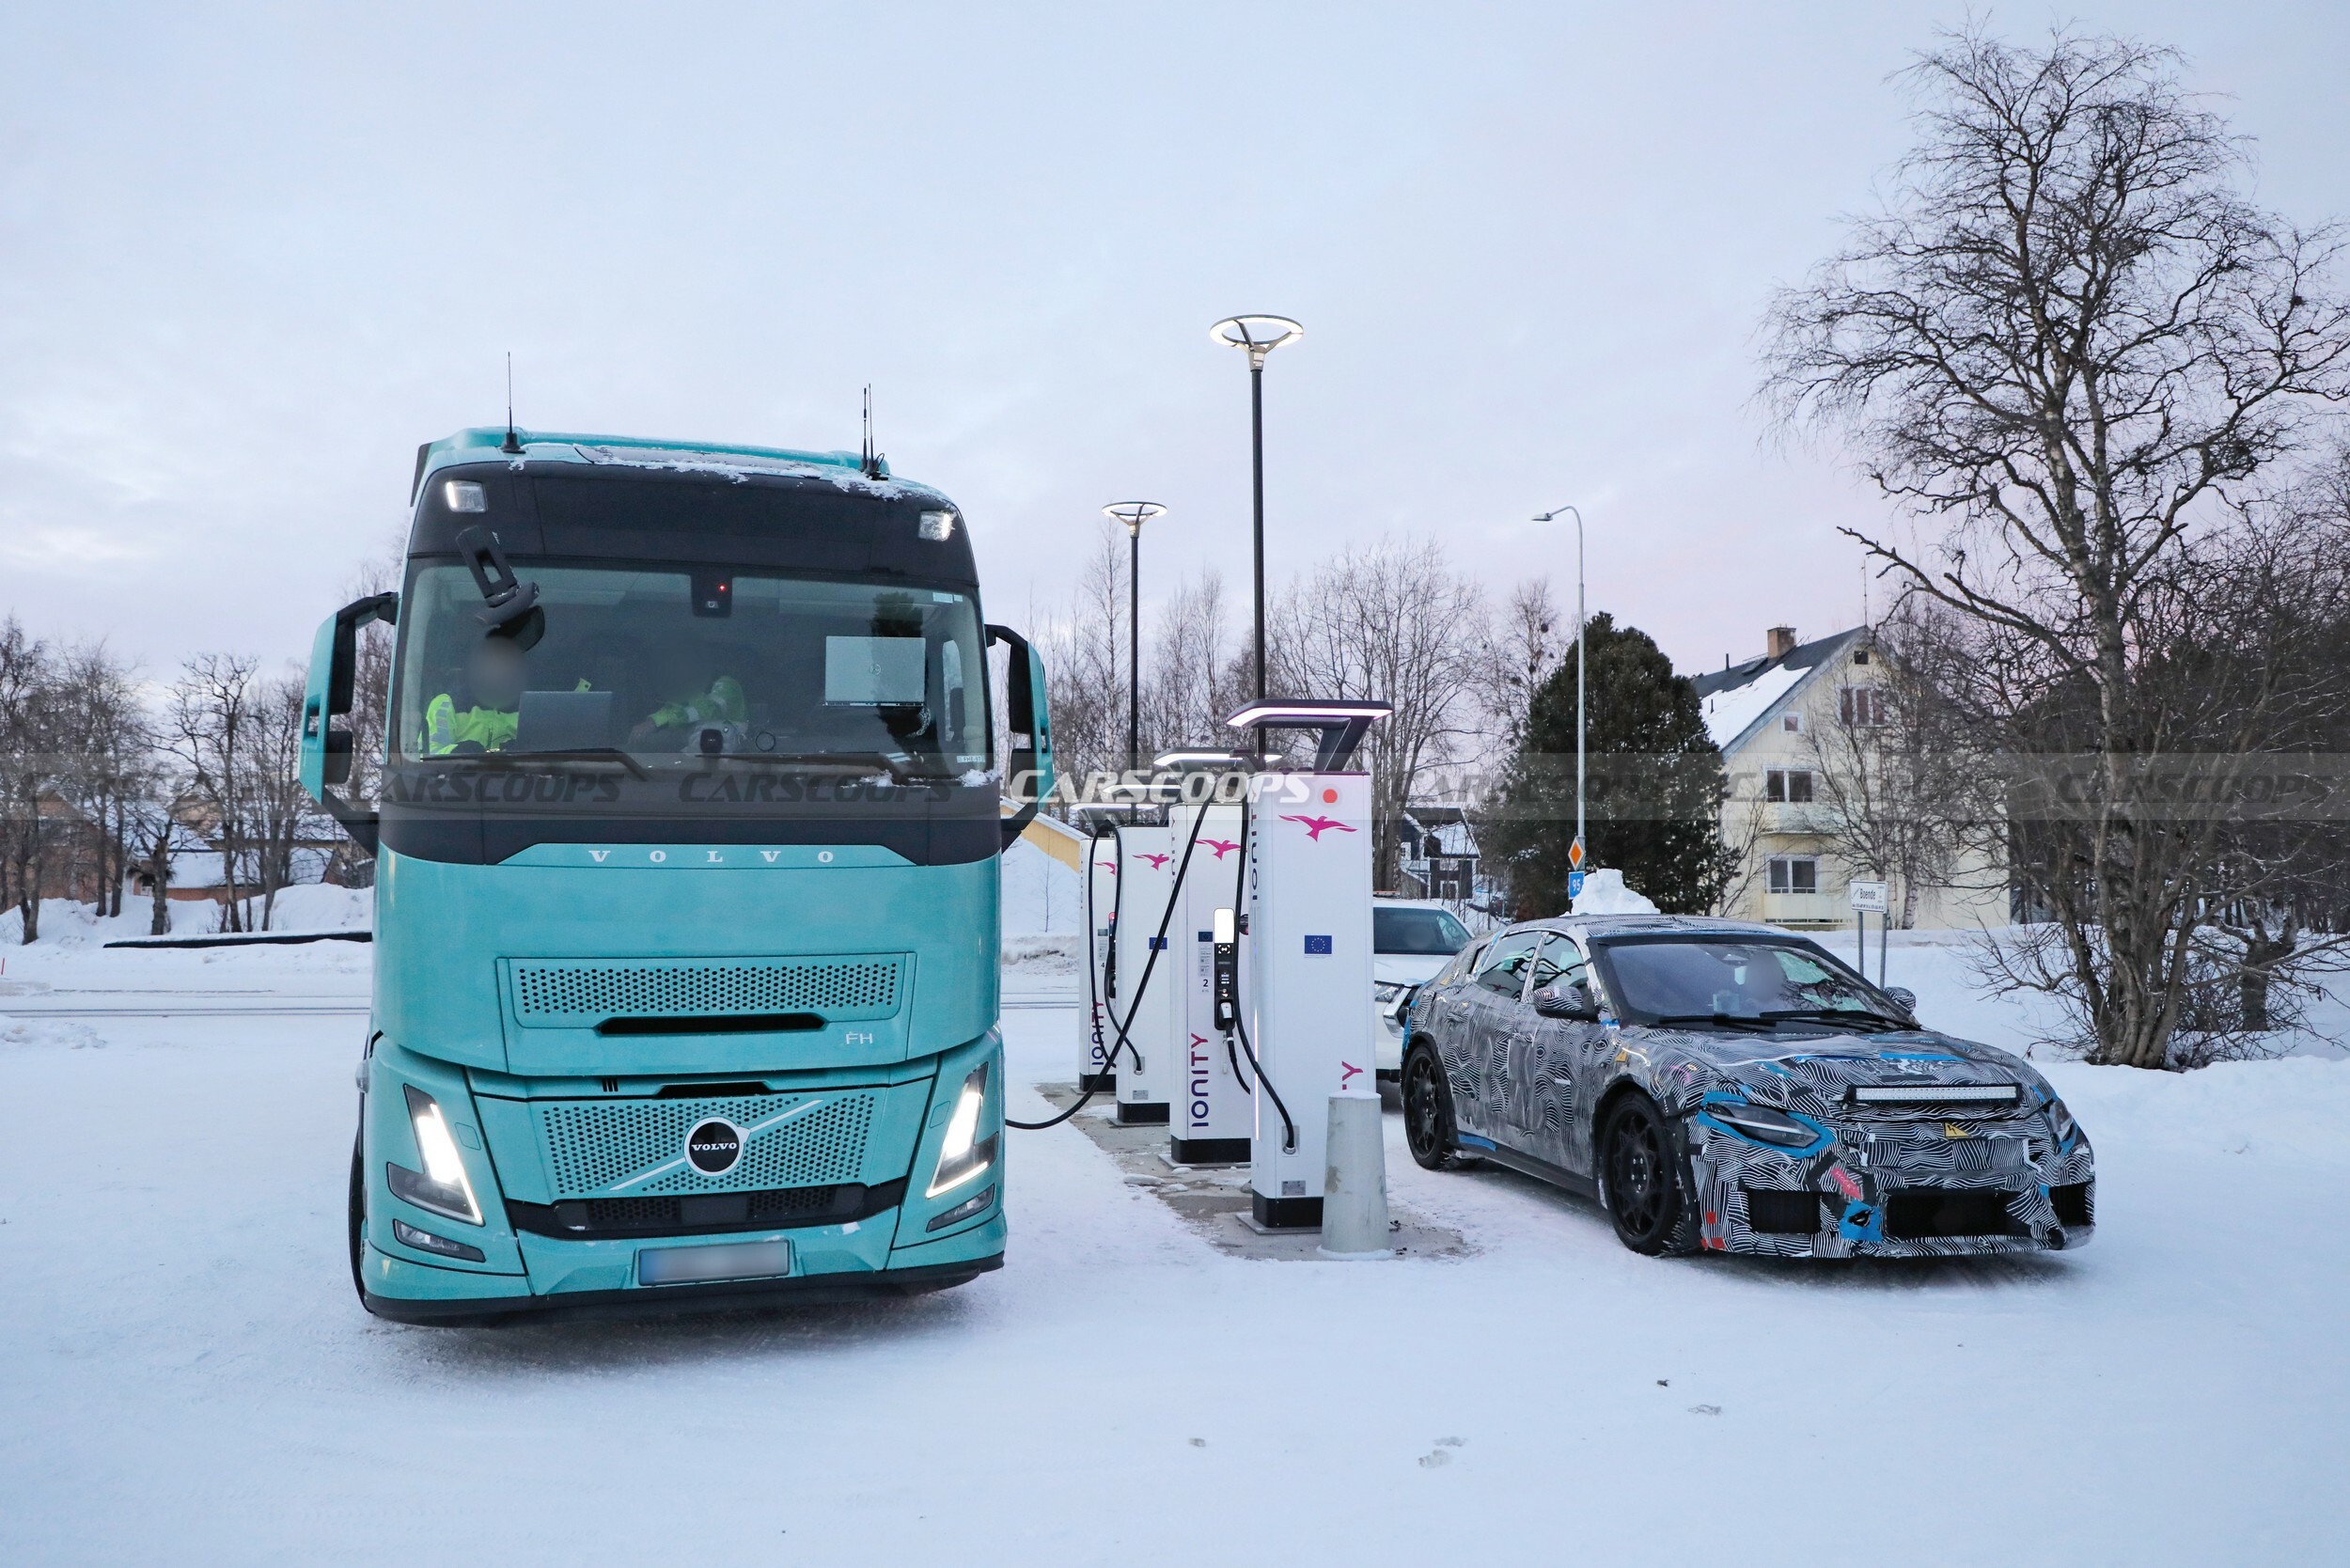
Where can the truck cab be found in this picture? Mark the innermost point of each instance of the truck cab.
(686, 887)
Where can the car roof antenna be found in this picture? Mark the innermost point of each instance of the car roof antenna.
(512, 443)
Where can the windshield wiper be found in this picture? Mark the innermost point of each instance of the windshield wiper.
(512, 761)
(1840, 1015)
(1727, 1020)
(895, 767)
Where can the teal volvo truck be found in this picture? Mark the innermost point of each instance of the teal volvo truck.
(686, 883)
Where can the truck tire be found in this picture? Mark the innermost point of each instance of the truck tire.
(359, 1211)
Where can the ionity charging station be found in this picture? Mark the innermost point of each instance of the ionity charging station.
(1097, 1036)
(1210, 1121)
(1308, 936)
(1144, 991)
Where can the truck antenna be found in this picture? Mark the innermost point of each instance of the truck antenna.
(512, 441)
(865, 454)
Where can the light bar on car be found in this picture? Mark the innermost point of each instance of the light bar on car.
(1935, 1094)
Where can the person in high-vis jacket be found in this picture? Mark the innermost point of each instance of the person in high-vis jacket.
(695, 703)
(494, 677)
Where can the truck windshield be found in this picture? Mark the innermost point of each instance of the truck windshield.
(1428, 932)
(671, 668)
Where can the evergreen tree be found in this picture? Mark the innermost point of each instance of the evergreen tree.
(1654, 792)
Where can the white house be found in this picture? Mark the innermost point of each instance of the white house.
(1771, 716)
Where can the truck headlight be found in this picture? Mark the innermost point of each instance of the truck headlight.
(964, 1154)
(2060, 1121)
(441, 1185)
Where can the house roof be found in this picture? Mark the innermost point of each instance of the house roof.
(1737, 701)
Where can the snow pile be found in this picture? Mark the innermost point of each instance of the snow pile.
(322, 906)
(1603, 893)
(1040, 894)
(70, 923)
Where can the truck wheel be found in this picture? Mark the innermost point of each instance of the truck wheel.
(1644, 1182)
(359, 1211)
(1428, 1126)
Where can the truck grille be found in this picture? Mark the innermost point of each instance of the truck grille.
(593, 1218)
(582, 992)
(637, 1148)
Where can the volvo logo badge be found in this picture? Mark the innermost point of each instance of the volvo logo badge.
(713, 1147)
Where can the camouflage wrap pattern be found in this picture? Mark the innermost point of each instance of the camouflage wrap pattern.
(1891, 1177)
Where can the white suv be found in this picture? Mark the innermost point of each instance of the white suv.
(1411, 939)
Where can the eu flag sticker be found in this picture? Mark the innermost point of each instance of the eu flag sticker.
(1317, 947)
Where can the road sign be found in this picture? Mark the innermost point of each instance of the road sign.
(1574, 854)
(1868, 896)
(1575, 885)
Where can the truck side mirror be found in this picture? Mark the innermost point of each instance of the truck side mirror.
(1028, 768)
(1902, 997)
(327, 695)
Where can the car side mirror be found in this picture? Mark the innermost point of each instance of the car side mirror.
(1566, 1000)
(1902, 997)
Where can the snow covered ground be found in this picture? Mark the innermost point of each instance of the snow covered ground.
(187, 1378)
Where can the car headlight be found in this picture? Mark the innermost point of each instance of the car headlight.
(441, 1185)
(1763, 1124)
(1386, 991)
(2060, 1121)
(963, 1155)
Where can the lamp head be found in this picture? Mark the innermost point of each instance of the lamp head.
(1134, 514)
(1258, 334)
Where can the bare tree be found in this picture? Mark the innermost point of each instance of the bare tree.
(1392, 623)
(210, 733)
(101, 740)
(28, 757)
(2065, 343)
(1085, 663)
(1528, 639)
(1190, 689)
(279, 813)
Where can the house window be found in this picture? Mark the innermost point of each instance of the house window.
(1863, 707)
(1795, 874)
(1791, 786)
(1791, 723)
(1860, 656)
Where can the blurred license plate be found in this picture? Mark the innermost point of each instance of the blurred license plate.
(690, 1265)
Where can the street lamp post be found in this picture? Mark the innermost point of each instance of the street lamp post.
(1575, 858)
(1259, 335)
(1134, 514)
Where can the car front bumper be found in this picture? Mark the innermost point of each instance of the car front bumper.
(2000, 1191)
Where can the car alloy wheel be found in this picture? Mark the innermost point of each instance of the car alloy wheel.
(1428, 1126)
(1646, 1189)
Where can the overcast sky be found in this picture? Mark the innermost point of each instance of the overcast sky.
(250, 258)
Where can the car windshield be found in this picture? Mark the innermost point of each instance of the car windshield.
(1734, 979)
(656, 665)
(1418, 933)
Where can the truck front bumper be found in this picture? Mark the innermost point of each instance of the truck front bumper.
(599, 1279)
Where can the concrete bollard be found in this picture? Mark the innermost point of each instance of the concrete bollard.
(1355, 1182)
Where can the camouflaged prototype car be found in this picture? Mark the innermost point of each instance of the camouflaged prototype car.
(1735, 1088)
